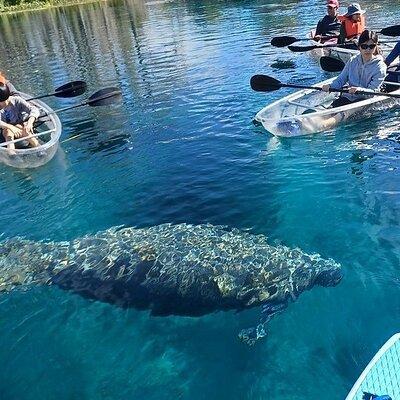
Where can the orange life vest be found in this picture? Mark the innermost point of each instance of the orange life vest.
(352, 28)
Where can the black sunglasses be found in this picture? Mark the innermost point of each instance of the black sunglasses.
(367, 46)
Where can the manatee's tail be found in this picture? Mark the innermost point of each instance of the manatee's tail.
(25, 262)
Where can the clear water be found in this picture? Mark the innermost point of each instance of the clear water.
(182, 148)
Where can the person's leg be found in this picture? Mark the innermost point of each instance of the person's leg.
(340, 101)
(30, 138)
(8, 136)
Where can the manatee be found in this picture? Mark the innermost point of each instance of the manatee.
(183, 269)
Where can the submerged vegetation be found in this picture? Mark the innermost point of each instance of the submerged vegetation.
(11, 6)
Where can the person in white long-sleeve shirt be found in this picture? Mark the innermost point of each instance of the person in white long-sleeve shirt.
(17, 117)
(366, 70)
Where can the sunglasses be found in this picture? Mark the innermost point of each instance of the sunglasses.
(367, 46)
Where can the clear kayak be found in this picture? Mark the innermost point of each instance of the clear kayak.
(307, 111)
(381, 378)
(339, 52)
(48, 134)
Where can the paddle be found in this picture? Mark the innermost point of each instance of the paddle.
(71, 89)
(332, 64)
(283, 41)
(300, 49)
(102, 97)
(264, 83)
(390, 31)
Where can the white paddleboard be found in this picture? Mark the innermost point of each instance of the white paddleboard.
(382, 374)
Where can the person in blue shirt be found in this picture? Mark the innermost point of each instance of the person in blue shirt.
(366, 70)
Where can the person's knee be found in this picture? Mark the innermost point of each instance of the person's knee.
(8, 135)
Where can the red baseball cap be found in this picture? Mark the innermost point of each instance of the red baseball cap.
(333, 3)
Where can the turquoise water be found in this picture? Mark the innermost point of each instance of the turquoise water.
(182, 148)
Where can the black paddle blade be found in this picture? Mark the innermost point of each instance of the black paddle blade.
(331, 64)
(104, 97)
(300, 49)
(71, 89)
(264, 83)
(391, 31)
(283, 41)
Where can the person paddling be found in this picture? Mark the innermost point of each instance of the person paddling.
(353, 23)
(366, 70)
(13, 113)
(329, 25)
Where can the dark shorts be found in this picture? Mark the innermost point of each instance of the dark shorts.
(342, 101)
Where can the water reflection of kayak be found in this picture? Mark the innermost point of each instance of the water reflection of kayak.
(48, 134)
(381, 378)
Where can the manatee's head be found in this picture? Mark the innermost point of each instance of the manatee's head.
(330, 275)
(281, 274)
(312, 270)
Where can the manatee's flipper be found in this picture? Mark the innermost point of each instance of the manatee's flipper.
(251, 335)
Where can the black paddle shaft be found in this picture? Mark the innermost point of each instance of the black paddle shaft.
(264, 83)
(102, 97)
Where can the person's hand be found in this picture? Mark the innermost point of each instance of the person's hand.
(317, 38)
(29, 128)
(16, 132)
(325, 88)
(353, 89)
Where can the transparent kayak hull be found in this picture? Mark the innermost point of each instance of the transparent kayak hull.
(37, 156)
(305, 112)
(340, 53)
(382, 374)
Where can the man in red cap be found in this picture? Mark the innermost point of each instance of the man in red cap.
(329, 25)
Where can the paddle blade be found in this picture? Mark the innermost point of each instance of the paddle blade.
(104, 97)
(71, 89)
(300, 49)
(391, 31)
(283, 41)
(264, 83)
(331, 64)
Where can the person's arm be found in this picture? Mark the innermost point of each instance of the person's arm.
(319, 30)
(32, 111)
(378, 77)
(342, 35)
(393, 54)
(26, 108)
(343, 77)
